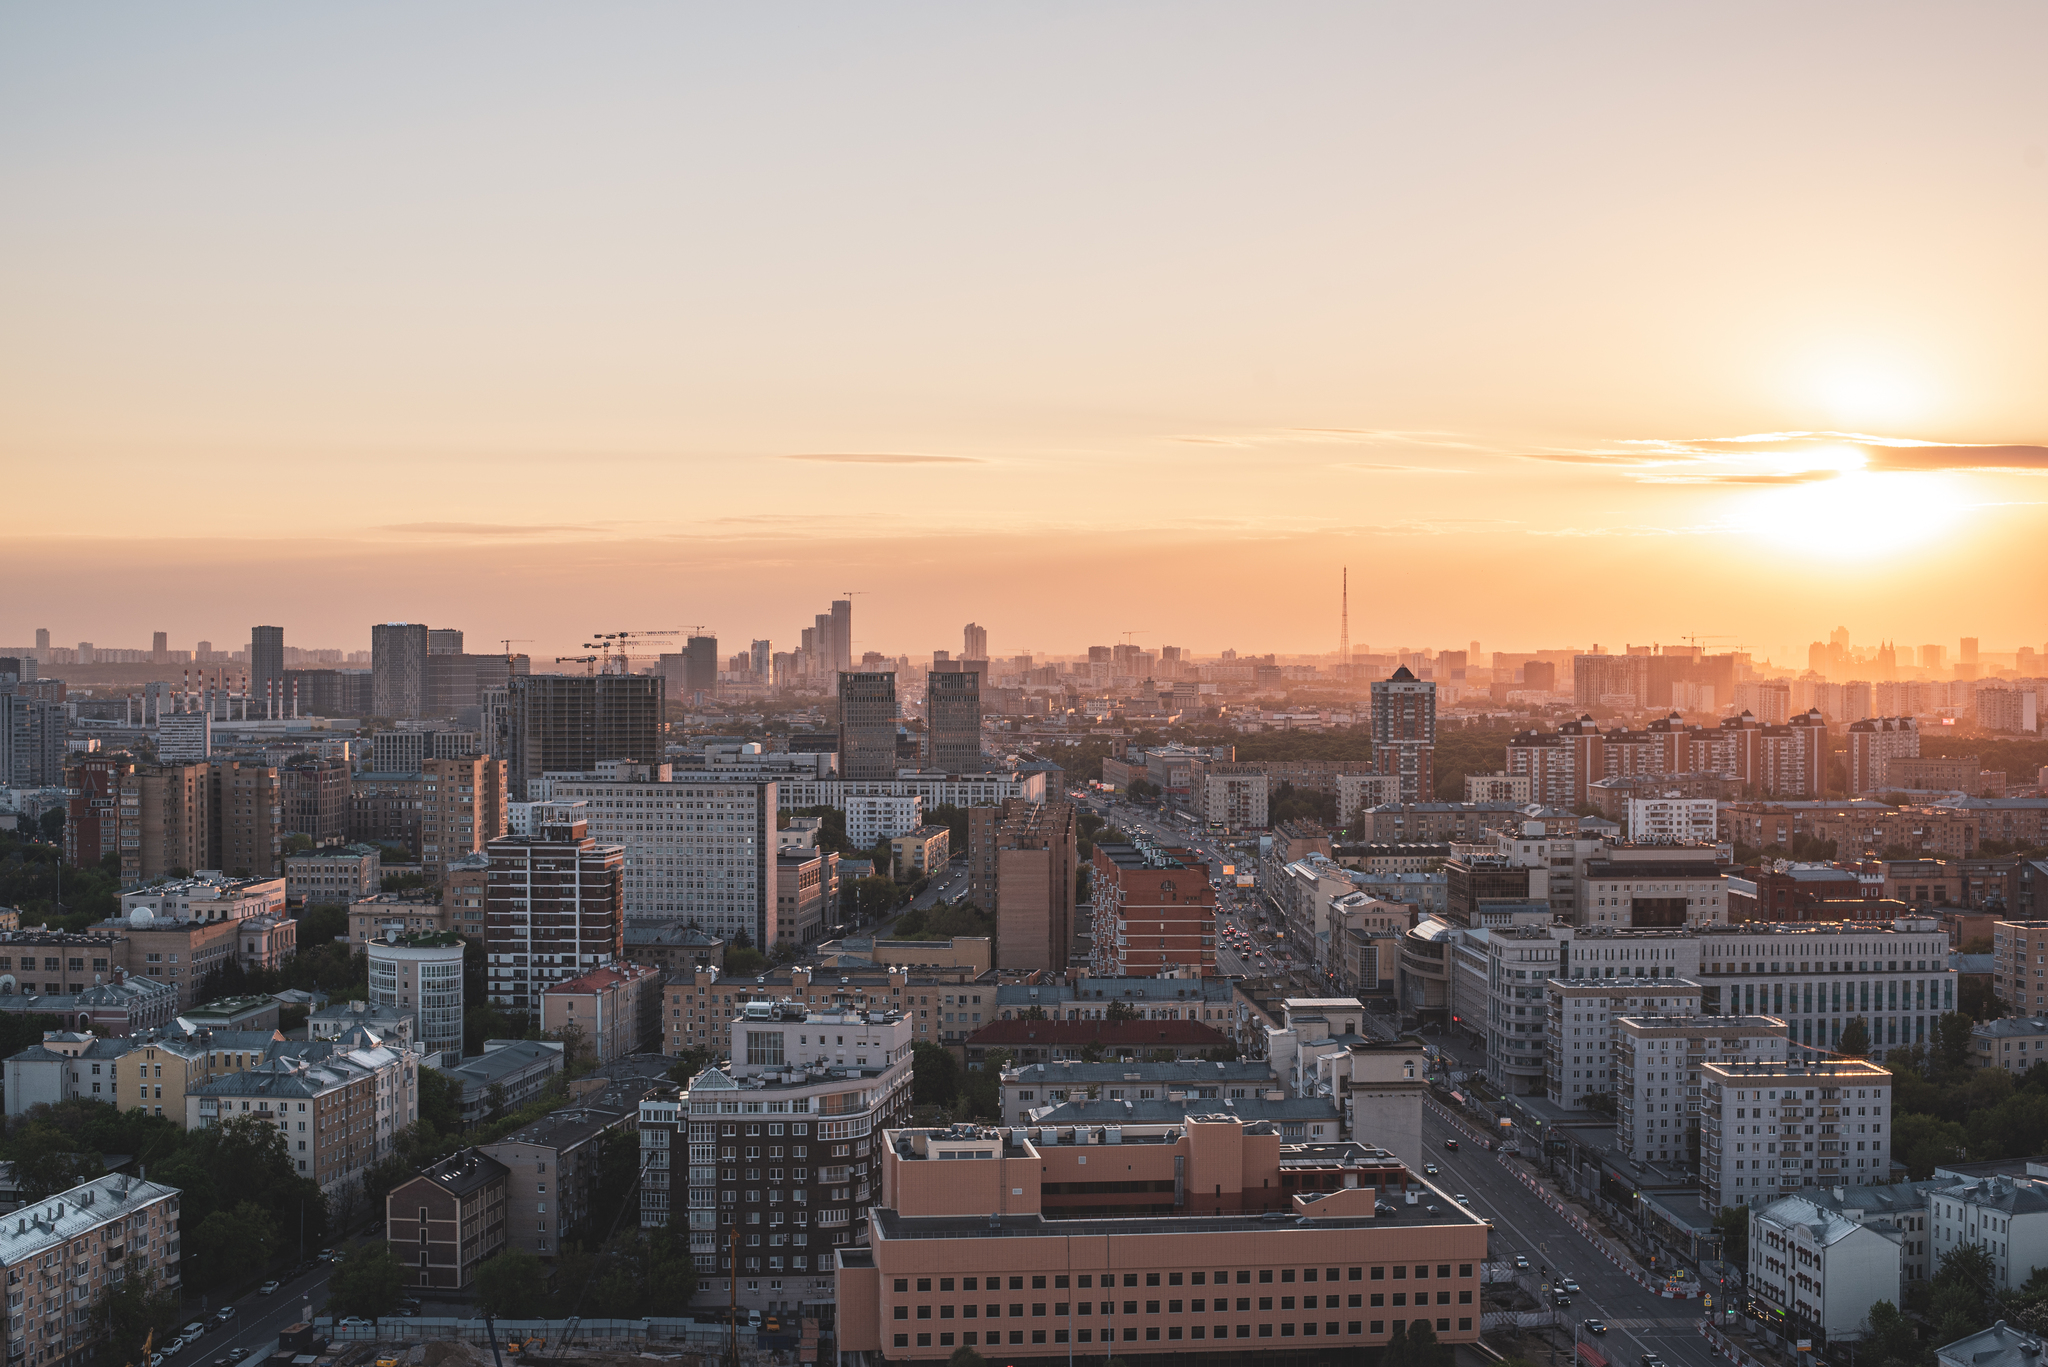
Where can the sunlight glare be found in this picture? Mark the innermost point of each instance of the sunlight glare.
(1854, 517)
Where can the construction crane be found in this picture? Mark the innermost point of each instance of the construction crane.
(1135, 631)
(589, 662)
(614, 644)
(509, 641)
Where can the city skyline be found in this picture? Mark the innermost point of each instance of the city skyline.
(1175, 311)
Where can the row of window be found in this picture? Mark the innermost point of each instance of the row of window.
(1198, 1306)
(1086, 1280)
(1173, 1332)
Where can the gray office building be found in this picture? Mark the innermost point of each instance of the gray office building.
(700, 665)
(266, 671)
(398, 670)
(953, 718)
(867, 726)
(572, 723)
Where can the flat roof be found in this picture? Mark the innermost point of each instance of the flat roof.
(894, 1226)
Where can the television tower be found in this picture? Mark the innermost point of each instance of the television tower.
(1344, 624)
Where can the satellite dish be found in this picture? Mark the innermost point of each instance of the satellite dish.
(141, 916)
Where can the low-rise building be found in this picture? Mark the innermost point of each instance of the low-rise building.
(505, 1076)
(335, 876)
(672, 947)
(444, 1222)
(1819, 1270)
(353, 1095)
(2015, 1043)
(1768, 1128)
(209, 897)
(1030, 1041)
(962, 957)
(615, 1010)
(2002, 1345)
(2005, 1215)
(905, 1295)
(921, 853)
(387, 1022)
(122, 1005)
(413, 912)
(1213, 1001)
(1033, 1087)
(807, 891)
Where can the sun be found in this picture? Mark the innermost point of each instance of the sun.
(1854, 516)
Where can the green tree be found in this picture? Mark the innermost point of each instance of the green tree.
(129, 1314)
(874, 896)
(743, 962)
(1120, 1010)
(511, 1284)
(983, 1093)
(440, 1101)
(232, 1246)
(934, 1076)
(1733, 1226)
(1921, 1142)
(1888, 1337)
(1855, 1040)
(692, 1061)
(1954, 1032)
(964, 1356)
(369, 1283)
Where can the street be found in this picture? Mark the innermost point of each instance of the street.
(1637, 1321)
(258, 1319)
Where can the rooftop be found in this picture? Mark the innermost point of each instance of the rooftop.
(1162, 1111)
(2011, 1027)
(1075, 1072)
(461, 1173)
(33, 1230)
(894, 1226)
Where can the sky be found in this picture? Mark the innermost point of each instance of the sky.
(1555, 324)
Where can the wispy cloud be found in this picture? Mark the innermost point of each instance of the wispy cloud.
(1403, 469)
(884, 458)
(487, 528)
(1767, 458)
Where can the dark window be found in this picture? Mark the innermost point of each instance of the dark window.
(1060, 1282)
(1464, 1269)
(1356, 1273)
(1038, 1336)
(902, 1312)
(1130, 1307)
(924, 1312)
(1444, 1326)
(1244, 1303)
(1353, 1300)
(1016, 1283)
(1379, 1326)
(1151, 1279)
(1443, 1269)
(903, 1340)
(1151, 1307)
(945, 1283)
(1087, 1281)
(1038, 1309)
(1173, 1307)
(1464, 1298)
(1265, 1274)
(1130, 1279)
(1378, 1299)
(1017, 1312)
(924, 1283)
(1265, 1331)
(1464, 1324)
(1287, 1274)
(1151, 1332)
(902, 1283)
(1196, 1279)
(1265, 1302)
(1287, 1302)
(1038, 1283)
(924, 1340)
(1243, 1277)
(1173, 1278)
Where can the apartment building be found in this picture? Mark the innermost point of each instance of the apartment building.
(1212, 1000)
(692, 846)
(1658, 1060)
(2004, 1214)
(65, 1255)
(1404, 732)
(953, 717)
(1819, 1269)
(1232, 797)
(156, 1072)
(1860, 827)
(1872, 745)
(920, 853)
(1768, 1128)
(415, 911)
(1583, 1028)
(1154, 913)
(180, 953)
(806, 894)
(331, 876)
(1818, 976)
(446, 1221)
(316, 790)
(246, 818)
(157, 818)
(2019, 964)
(462, 808)
(616, 1008)
(465, 894)
(934, 789)
(783, 1143)
(553, 1166)
(1022, 858)
(1674, 819)
(874, 817)
(339, 1103)
(664, 1140)
(1337, 1273)
(941, 1009)
(555, 911)
(2015, 1044)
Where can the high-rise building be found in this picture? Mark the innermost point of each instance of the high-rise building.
(1154, 914)
(398, 670)
(1021, 860)
(867, 726)
(160, 648)
(444, 641)
(184, 738)
(760, 660)
(953, 718)
(1804, 1089)
(34, 733)
(974, 642)
(42, 642)
(266, 670)
(246, 819)
(572, 723)
(463, 809)
(420, 976)
(700, 665)
(556, 910)
(1873, 744)
(1404, 733)
(842, 633)
(174, 814)
(316, 798)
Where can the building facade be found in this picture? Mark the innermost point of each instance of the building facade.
(1404, 733)
(556, 910)
(867, 726)
(1768, 1128)
(420, 976)
(1154, 913)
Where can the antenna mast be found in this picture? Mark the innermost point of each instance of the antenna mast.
(1344, 624)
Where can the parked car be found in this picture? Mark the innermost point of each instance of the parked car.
(237, 1354)
(355, 1322)
(268, 1288)
(1594, 1326)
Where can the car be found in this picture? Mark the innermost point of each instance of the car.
(356, 1322)
(410, 1303)
(1649, 1360)
(1570, 1285)
(237, 1354)
(1451, 1144)
(405, 1312)
(224, 1314)
(1429, 1170)
(267, 1289)
(222, 1361)
(1561, 1301)
(1521, 1263)
(1594, 1326)
(1462, 1199)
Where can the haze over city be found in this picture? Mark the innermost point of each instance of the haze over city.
(1557, 327)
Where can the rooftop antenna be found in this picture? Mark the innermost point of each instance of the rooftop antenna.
(1344, 622)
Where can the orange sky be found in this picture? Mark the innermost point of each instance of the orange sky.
(1072, 322)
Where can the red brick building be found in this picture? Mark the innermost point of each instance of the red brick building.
(1155, 913)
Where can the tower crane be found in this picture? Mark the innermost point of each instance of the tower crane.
(613, 645)
(587, 661)
(509, 641)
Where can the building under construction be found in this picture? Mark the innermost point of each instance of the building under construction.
(573, 723)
